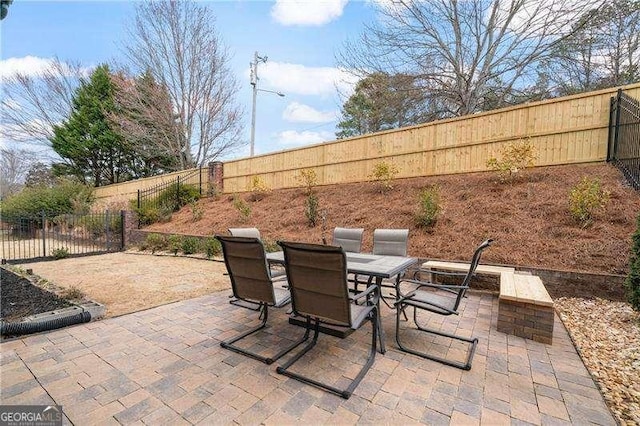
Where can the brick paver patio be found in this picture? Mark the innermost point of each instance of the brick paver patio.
(165, 366)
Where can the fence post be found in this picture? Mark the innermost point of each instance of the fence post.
(44, 235)
(200, 180)
(177, 194)
(106, 230)
(122, 228)
(138, 199)
(617, 125)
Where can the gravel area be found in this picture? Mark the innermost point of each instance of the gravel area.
(607, 336)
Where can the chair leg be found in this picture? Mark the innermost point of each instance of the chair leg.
(245, 304)
(471, 351)
(264, 313)
(344, 393)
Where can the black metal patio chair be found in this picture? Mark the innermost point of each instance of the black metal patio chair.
(251, 282)
(441, 299)
(318, 282)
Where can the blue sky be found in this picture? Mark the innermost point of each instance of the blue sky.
(299, 40)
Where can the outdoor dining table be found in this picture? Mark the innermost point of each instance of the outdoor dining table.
(373, 265)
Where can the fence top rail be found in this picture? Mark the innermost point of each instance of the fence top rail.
(163, 185)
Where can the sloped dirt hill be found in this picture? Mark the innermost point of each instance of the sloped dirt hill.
(529, 219)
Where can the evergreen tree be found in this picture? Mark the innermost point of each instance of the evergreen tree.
(90, 149)
(382, 102)
(632, 283)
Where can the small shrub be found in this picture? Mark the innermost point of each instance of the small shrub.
(270, 245)
(212, 247)
(149, 213)
(244, 210)
(632, 283)
(60, 253)
(197, 212)
(428, 206)
(384, 173)
(72, 293)
(514, 158)
(190, 245)
(155, 242)
(311, 209)
(586, 199)
(258, 188)
(174, 244)
(97, 226)
(309, 179)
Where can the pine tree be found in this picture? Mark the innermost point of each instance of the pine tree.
(90, 149)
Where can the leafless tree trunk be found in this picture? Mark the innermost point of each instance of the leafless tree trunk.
(469, 54)
(32, 105)
(177, 42)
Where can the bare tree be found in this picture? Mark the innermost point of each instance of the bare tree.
(470, 55)
(145, 119)
(177, 42)
(14, 165)
(32, 104)
(604, 51)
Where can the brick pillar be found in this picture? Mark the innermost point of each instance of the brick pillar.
(216, 175)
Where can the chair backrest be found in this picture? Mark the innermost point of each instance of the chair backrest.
(350, 239)
(245, 232)
(475, 260)
(390, 242)
(248, 268)
(318, 281)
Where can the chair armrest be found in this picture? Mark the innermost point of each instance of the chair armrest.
(432, 285)
(364, 293)
(403, 298)
(441, 273)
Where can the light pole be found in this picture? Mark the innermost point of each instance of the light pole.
(254, 82)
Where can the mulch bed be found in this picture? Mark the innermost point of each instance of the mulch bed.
(20, 298)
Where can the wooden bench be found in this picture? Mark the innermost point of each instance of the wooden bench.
(525, 308)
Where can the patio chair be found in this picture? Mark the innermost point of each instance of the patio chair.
(318, 282)
(251, 282)
(350, 239)
(441, 299)
(387, 242)
(275, 272)
(245, 232)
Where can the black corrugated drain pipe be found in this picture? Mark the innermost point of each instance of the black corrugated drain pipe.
(22, 328)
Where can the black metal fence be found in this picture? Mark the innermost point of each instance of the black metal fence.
(32, 238)
(169, 195)
(624, 137)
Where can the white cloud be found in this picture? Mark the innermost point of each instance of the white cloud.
(303, 80)
(301, 113)
(33, 66)
(292, 138)
(307, 12)
(28, 65)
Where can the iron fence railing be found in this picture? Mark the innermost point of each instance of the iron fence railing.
(624, 137)
(29, 238)
(168, 195)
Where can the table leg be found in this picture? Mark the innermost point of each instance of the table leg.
(383, 349)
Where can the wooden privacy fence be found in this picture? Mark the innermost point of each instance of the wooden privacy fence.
(564, 130)
(568, 130)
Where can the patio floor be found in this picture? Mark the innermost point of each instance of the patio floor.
(165, 366)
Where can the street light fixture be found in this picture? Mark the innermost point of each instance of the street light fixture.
(254, 82)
